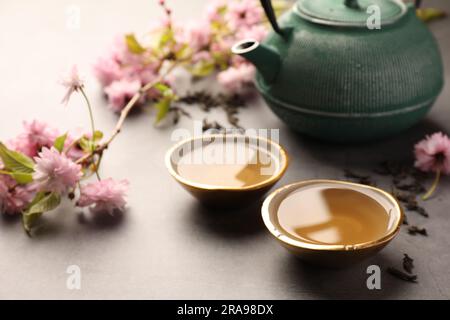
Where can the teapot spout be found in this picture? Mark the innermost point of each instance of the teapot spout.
(266, 60)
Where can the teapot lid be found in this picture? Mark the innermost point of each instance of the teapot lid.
(352, 13)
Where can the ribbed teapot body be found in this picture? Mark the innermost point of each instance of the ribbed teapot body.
(380, 80)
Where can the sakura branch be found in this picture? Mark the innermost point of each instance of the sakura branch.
(41, 166)
(157, 83)
(203, 47)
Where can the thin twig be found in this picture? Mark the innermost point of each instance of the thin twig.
(433, 187)
(73, 144)
(91, 114)
(126, 110)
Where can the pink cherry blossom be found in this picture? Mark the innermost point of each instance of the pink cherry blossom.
(123, 64)
(161, 23)
(40, 133)
(237, 60)
(37, 134)
(107, 70)
(433, 153)
(245, 13)
(22, 144)
(214, 9)
(18, 199)
(72, 82)
(196, 34)
(55, 172)
(75, 152)
(123, 56)
(255, 32)
(146, 75)
(237, 79)
(202, 56)
(119, 92)
(222, 46)
(105, 196)
(14, 198)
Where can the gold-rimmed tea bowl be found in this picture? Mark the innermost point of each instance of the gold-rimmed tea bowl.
(330, 255)
(220, 194)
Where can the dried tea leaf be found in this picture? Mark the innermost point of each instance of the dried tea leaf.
(408, 263)
(229, 104)
(405, 220)
(413, 230)
(212, 126)
(402, 275)
(362, 179)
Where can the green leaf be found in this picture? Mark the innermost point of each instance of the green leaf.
(429, 14)
(15, 161)
(86, 144)
(161, 87)
(98, 135)
(59, 142)
(163, 107)
(22, 177)
(222, 10)
(203, 68)
(133, 44)
(43, 202)
(166, 37)
(183, 52)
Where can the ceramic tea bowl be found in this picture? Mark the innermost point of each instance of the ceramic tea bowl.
(331, 255)
(219, 194)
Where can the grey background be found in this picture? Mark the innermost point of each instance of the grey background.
(166, 245)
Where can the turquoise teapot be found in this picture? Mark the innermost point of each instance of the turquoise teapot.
(347, 70)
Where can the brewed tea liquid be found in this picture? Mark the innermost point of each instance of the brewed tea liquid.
(235, 165)
(326, 215)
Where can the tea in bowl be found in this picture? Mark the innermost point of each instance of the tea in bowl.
(332, 223)
(227, 170)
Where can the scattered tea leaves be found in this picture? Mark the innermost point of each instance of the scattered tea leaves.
(405, 220)
(413, 230)
(408, 263)
(410, 203)
(402, 275)
(178, 112)
(206, 102)
(411, 187)
(203, 99)
(214, 125)
(407, 183)
(363, 179)
(404, 197)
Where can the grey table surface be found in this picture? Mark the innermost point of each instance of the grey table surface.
(167, 245)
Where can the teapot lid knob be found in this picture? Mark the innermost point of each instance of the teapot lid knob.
(352, 13)
(353, 4)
